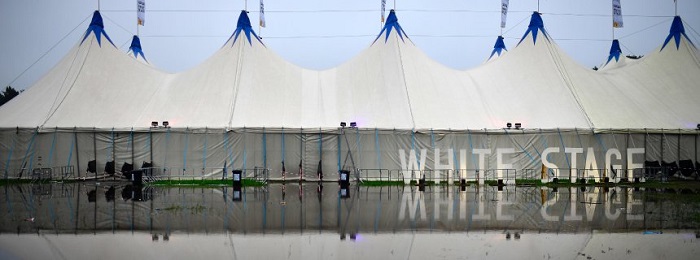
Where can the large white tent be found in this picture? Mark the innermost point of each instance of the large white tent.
(246, 107)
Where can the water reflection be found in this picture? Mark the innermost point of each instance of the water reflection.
(276, 208)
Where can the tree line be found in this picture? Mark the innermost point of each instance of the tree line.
(8, 94)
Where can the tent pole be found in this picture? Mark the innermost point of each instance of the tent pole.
(94, 149)
(696, 147)
(114, 151)
(645, 143)
(661, 143)
(131, 136)
(150, 145)
(627, 148)
(679, 147)
(676, 9)
(77, 151)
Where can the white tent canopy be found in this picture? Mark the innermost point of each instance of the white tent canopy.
(390, 85)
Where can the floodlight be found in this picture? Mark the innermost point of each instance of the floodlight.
(154, 124)
(509, 125)
(342, 124)
(166, 124)
(518, 125)
(353, 124)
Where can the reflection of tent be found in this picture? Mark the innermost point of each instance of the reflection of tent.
(247, 106)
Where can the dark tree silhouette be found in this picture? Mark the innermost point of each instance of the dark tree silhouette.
(8, 94)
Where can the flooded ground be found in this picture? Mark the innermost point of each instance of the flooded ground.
(292, 221)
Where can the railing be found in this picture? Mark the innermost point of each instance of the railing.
(208, 173)
(441, 176)
(40, 173)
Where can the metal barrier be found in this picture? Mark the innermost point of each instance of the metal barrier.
(41, 173)
(509, 175)
(209, 173)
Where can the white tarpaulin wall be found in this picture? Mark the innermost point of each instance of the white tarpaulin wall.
(247, 108)
(395, 154)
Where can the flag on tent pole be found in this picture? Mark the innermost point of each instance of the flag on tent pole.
(141, 11)
(504, 12)
(383, 9)
(617, 14)
(262, 14)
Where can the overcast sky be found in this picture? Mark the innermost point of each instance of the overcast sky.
(321, 34)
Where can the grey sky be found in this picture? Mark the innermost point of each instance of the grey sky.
(320, 34)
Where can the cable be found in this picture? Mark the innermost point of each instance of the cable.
(47, 52)
(373, 10)
(693, 29)
(118, 25)
(647, 28)
(628, 49)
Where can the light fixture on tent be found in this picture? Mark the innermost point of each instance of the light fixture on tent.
(698, 126)
(353, 124)
(154, 124)
(518, 125)
(342, 124)
(509, 125)
(166, 124)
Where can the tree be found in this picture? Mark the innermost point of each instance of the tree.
(8, 94)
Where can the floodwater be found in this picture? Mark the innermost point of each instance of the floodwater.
(117, 220)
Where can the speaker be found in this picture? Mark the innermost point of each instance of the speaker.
(237, 176)
(137, 177)
(344, 178)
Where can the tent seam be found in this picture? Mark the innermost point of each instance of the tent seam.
(405, 85)
(82, 65)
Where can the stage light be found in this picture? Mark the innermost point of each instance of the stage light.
(698, 126)
(342, 124)
(353, 124)
(154, 124)
(518, 125)
(509, 125)
(166, 124)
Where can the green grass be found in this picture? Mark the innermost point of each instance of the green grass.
(245, 182)
(194, 209)
(381, 183)
(528, 182)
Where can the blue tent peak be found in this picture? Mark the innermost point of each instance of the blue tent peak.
(498, 47)
(245, 27)
(536, 25)
(676, 31)
(392, 22)
(615, 52)
(97, 27)
(135, 48)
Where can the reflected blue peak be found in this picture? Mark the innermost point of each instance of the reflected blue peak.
(245, 27)
(615, 52)
(392, 23)
(97, 27)
(676, 31)
(536, 25)
(135, 48)
(498, 47)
